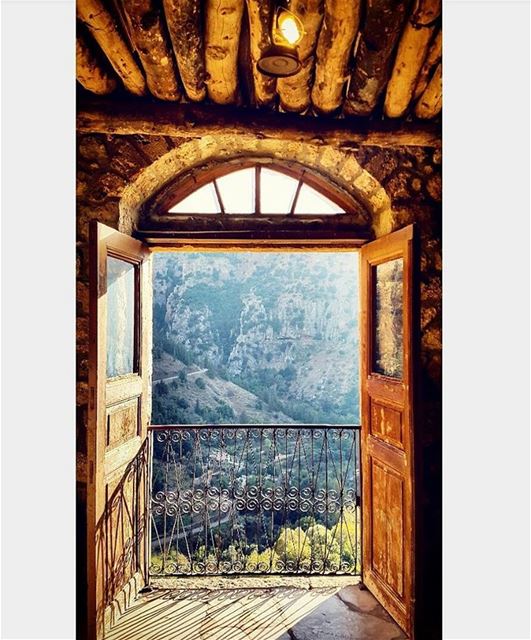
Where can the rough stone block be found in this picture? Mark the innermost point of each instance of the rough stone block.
(365, 185)
(125, 158)
(350, 170)
(435, 187)
(92, 148)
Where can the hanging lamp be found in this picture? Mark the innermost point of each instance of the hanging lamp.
(281, 59)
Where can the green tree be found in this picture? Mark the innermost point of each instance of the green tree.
(347, 532)
(292, 546)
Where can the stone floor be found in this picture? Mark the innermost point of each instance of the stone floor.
(256, 613)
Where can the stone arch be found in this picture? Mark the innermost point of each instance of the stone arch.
(339, 165)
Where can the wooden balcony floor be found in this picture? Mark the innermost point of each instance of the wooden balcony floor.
(259, 613)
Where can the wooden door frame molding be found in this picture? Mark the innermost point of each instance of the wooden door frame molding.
(216, 245)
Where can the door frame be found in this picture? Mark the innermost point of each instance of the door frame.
(231, 242)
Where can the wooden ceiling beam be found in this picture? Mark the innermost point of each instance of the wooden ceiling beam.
(340, 27)
(430, 103)
(383, 23)
(184, 21)
(222, 36)
(89, 72)
(103, 28)
(151, 43)
(259, 13)
(129, 117)
(411, 54)
(294, 91)
(430, 64)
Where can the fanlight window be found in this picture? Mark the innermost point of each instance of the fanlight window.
(256, 190)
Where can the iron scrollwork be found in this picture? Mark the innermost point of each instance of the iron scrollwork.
(236, 500)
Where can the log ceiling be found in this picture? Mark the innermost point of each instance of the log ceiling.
(360, 58)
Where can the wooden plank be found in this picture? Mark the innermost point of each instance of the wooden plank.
(410, 57)
(122, 423)
(151, 43)
(430, 64)
(383, 24)
(104, 29)
(340, 26)
(195, 120)
(430, 103)
(344, 242)
(89, 72)
(120, 456)
(259, 13)
(222, 35)
(294, 91)
(184, 20)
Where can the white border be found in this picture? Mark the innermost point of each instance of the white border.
(486, 232)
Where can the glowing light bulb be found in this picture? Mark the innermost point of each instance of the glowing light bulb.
(289, 27)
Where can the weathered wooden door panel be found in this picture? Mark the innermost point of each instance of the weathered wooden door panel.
(119, 384)
(387, 423)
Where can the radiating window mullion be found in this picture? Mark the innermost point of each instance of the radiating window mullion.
(257, 202)
(295, 197)
(218, 196)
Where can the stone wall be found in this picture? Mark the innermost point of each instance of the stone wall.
(116, 174)
(412, 178)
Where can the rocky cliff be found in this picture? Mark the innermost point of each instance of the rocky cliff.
(283, 326)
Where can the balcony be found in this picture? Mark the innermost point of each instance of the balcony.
(238, 500)
(254, 533)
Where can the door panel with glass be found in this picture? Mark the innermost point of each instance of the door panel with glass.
(119, 409)
(387, 423)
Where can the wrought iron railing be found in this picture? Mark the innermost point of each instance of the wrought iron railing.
(255, 499)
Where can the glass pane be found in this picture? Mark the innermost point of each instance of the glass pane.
(311, 201)
(204, 200)
(277, 191)
(237, 191)
(120, 317)
(388, 318)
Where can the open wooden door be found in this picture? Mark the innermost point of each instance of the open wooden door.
(387, 423)
(119, 411)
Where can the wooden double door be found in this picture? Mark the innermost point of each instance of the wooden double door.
(119, 412)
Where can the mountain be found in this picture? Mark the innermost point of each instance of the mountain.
(275, 336)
